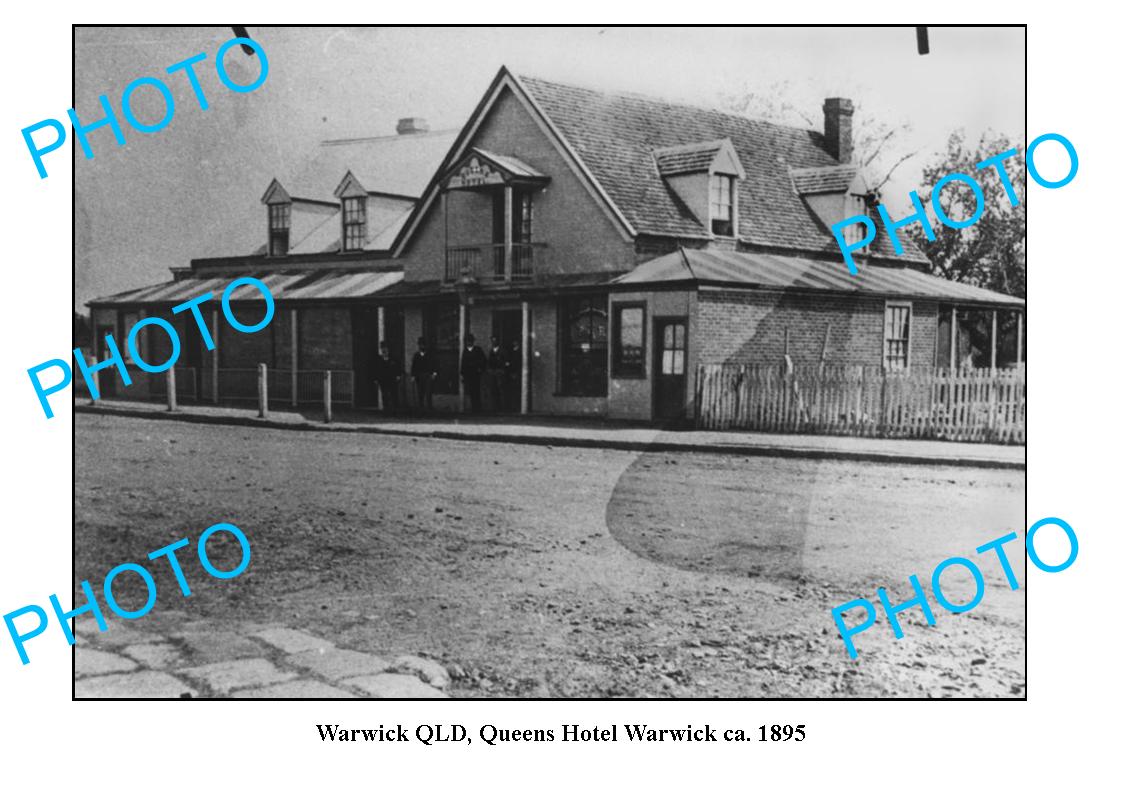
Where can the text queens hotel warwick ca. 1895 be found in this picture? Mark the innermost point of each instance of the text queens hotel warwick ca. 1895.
(611, 243)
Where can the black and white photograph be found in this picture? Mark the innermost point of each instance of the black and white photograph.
(550, 363)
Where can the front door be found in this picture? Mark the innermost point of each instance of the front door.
(670, 369)
(507, 328)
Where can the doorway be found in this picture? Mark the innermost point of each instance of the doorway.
(669, 388)
(507, 328)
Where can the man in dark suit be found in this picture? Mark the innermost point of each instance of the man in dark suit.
(473, 363)
(497, 374)
(423, 369)
(387, 372)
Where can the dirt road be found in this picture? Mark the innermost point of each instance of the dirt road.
(532, 571)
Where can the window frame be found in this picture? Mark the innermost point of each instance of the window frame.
(889, 307)
(564, 310)
(524, 216)
(359, 227)
(279, 211)
(719, 178)
(616, 347)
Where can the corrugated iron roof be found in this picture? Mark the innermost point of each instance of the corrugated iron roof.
(751, 269)
(283, 285)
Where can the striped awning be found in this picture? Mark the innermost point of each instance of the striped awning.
(750, 269)
(283, 285)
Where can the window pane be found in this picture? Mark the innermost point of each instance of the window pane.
(897, 336)
(631, 326)
(584, 352)
(668, 364)
(678, 363)
(630, 355)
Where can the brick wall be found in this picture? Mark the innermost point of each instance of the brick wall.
(925, 322)
(241, 349)
(748, 327)
(325, 339)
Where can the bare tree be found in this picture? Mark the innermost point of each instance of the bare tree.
(879, 147)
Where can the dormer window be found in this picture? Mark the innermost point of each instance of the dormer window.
(354, 223)
(280, 222)
(721, 205)
(703, 175)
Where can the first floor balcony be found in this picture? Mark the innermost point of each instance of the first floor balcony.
(493, 263)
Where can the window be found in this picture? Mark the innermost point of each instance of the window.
(629, 355)
(857, 205)
(721, 204)
(524, 212)
(674, 350)
(280, 220)
(583, 351)
(354, 223)
(441, 329)
(897, 317)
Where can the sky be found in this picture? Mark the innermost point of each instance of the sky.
(189, 189)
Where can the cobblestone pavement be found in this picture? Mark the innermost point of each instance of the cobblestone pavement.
(265, 662)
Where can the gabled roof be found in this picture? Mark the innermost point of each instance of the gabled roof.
(275, 194)
(504, 80)
(611, 142)
(752, 269)
(480, 167)
(615, 135)
(829, 179)
(349, 187)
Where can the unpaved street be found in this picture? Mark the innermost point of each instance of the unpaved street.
(538, 571)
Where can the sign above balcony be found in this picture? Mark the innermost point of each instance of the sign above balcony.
(481, 169)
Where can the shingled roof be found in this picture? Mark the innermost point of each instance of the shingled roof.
(616, 137)
(686, 159)
(832, 179)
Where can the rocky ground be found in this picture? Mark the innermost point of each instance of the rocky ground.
(529, 571)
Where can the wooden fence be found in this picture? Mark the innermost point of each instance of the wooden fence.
(921, 403)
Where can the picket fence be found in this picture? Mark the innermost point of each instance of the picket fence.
(922, 403)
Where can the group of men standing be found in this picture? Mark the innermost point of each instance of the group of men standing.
(498, 369)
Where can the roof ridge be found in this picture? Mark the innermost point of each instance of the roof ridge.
(635, 95)
(388, 137)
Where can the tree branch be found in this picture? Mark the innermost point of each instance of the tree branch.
(895, 165)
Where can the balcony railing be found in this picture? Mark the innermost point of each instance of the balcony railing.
(487, 262)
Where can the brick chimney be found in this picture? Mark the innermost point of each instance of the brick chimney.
(411, 125)
(838, 114)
